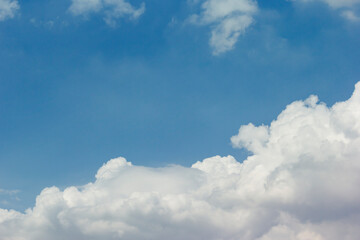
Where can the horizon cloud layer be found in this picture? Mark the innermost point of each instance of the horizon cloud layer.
(300, 183)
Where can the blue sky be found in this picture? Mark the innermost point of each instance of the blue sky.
(76, 91)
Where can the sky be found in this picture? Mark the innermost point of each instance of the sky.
(166, 85)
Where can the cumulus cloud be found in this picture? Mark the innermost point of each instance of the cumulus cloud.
(228, 19)
(112, 9)
(346, 7)
(301, 183)
(8, 8)
(251, 137)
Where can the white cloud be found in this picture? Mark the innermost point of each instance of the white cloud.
(301, 183)
(350, 15)
(336, 3)
(346, 7)
(251, 137)
(8, 8)
(112, 9)
(228, 20)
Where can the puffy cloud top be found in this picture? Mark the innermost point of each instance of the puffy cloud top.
(251, 137)
(8, 8)
(301, 183)
(113, 9)
(228, 20)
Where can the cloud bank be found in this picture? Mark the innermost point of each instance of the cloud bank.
(112, 9)
(8, 8)
(300, 183)
(228, 19)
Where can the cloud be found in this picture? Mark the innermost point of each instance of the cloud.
(112, 9)
(346, 7)
(8, 8)
(336, 3)
(8, 192)
(228, 19)
(300, 183)
(7, 197)
(251, 137)
(350, 15)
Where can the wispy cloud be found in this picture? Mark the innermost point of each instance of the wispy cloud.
(301, 182)
(228, 19)
(350, 15)
(111, 9)
(348, 8)
(336, 3)
(8, 192)
(8, 9)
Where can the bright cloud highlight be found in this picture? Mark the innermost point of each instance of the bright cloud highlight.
(112, 9)
(228, 20)
(300, 183)
(8, 8)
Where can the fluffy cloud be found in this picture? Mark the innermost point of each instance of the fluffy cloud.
(346, 7)
(112, 9)
(228, 20)
(8, 8)
(300, 183)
